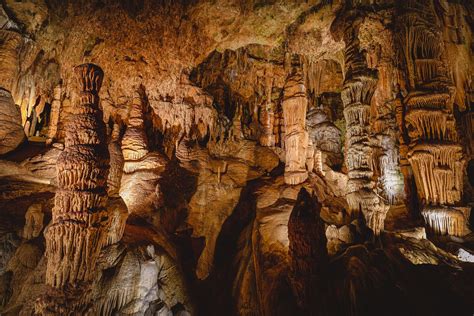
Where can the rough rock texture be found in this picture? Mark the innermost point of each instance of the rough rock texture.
(80, 223)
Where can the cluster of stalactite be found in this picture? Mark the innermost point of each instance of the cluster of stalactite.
(80, 220)
(359, 86)
(432, 145)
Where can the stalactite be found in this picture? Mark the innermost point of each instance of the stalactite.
(79, 224)
(294, 107)
(446, 220)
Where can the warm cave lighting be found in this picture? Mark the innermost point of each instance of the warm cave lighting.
(234, 157)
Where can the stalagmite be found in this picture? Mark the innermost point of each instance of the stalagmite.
(79, 224)
(294, 107)
(55, 111)
(134, 143)
(116, 207)
(33, 221)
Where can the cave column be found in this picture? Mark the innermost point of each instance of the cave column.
(79, 218)
(359, 86)
(294, 107)
(433, 148)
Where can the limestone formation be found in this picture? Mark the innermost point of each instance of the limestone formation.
(79, 225)
(294, 107)
(116, 207)
(10, 42)
(11, 131)
(55, 113)
(434, 152)
(359, 87)
(33, 221)
(134, 143)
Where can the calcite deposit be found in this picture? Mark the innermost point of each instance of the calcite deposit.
(236, 157)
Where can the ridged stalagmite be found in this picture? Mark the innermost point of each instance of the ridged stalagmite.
(79, 224)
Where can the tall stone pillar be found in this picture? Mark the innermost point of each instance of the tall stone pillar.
(80, 221)
(296, 137)
(359, 87)
(433, 148)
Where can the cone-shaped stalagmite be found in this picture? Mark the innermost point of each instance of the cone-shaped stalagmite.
(79, 224)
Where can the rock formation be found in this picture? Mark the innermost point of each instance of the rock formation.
(434, 153)
(359, 87)
(79, 225)
(11, 131)
(296, 140)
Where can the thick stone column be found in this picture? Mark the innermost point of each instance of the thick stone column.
(359, 87)
(80, 221)
(433, 148)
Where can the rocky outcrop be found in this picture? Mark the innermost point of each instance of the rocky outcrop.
(11, 131)
(80, 220)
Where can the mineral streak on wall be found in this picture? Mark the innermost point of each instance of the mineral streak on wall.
(79, 224)
(434, 151)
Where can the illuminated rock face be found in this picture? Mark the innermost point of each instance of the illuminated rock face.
(80, 220)
(434, 152)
